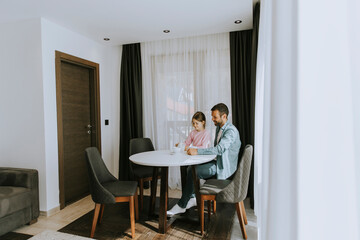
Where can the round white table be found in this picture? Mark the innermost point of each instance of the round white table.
(164, 159)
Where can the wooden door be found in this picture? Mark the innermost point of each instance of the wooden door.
(78, 118)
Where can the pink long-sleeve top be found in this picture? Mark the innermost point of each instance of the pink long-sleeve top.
(199, 139)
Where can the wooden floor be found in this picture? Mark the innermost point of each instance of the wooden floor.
(83, 206)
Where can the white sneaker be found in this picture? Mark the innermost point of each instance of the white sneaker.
(175, 210)
(191, 203)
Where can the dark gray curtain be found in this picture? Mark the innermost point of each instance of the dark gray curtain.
(131, 125)
(243, 53)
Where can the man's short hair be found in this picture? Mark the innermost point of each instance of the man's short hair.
(222, 108)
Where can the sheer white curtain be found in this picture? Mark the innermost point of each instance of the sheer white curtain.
(262, 113)
(180, 77)
(275, 123)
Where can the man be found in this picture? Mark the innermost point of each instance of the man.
(226, 146)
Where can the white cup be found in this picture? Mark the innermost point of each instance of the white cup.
(175, 149)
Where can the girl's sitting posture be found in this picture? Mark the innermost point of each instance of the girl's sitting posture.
(199, 137)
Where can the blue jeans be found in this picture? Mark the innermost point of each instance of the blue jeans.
(203, 171)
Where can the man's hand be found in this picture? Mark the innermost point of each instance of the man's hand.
(192, 151)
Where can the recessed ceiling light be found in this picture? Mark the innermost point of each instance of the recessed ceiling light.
(238, 22)
(106, 39)
(166, 31)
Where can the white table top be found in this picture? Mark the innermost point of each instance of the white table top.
(164, 158)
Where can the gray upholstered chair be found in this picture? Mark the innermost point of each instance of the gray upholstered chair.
(138, 172)
(229, 191)
(106, 189)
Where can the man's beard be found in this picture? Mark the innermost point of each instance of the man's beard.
(218, 124)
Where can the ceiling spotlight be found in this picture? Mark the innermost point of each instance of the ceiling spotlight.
(166, 31)
(238, 22)
(106, 39)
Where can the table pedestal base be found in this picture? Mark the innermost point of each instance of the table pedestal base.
(164, 223)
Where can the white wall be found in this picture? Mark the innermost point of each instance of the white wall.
(22, 141)
(28, 119)
(55, 37)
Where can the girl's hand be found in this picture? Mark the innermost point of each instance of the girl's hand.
(186, 148)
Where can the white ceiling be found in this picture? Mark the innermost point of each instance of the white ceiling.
(129, 21)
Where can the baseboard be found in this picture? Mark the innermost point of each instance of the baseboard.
(50, 212)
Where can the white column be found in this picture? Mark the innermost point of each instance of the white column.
(326, 174)
(310, 178)
(354, 37)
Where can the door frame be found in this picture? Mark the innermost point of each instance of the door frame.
(59, 58)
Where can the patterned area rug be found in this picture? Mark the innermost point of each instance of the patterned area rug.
(116, 224)
(15, 236)
(54, 235)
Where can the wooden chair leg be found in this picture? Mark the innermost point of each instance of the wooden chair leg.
(136, 206)
(101, 213)
(209, 208)
(241, 220)
(214, 202)
(202, 214)
(141, 188)
(95, 218)
(243, 212)
(132, 216)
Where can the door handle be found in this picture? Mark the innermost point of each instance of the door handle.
(89, 126)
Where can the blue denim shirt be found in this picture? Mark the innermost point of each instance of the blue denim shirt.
(227, 150)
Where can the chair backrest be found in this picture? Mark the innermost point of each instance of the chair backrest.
(138, 145)
(237, 189)
(98, 174)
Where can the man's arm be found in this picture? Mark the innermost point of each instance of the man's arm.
(226, 140)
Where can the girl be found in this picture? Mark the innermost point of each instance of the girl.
(199, 137)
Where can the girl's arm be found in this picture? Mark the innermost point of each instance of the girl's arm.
(188, 140)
